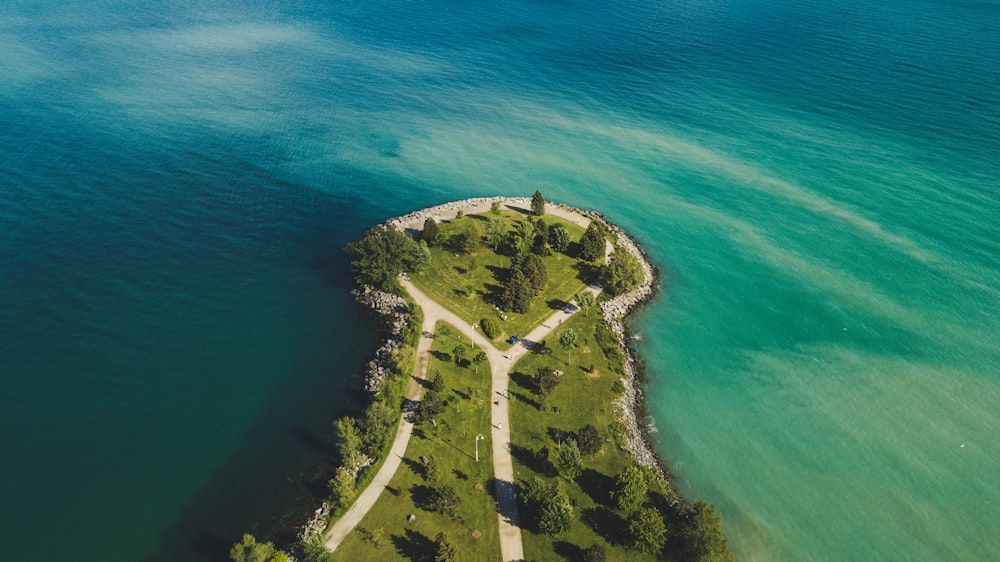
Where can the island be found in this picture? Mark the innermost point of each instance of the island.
(506, 419)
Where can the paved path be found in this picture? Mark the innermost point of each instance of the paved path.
(511, 547)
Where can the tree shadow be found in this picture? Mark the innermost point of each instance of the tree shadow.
(413, 465)
(568, 551)
(524, 398)
(414, 546)
(421, 496)
(558, 435)
(461, 394)
(607, 524)
(537, 461)
(314, 442)
(440, 356)
(597, 485)
(459, 474)
(523, 380)
(589, 273)
(557, 304)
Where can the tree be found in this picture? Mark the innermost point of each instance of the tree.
(459, 354)
(705, 535)
(537, 204)
(534, 269)
(568, 462)
(623, 272)
(381, 256)
(478, 360)
(589, 440)
(445, 500)
(348, 443)
(630, 489)
(520, 240)
(431, 233)
(540, 239)
(468, 240)
(430, 407)
(418, 257)
(648, 531)
(556, 514)
(491, 328)
(375, 537)
(342, 487)
(585, 299)
(496, 229)
(379, 419)
(595, 553)
(437, 382)
(546, 381)
(431, 470)
(495, 208)
(592, 242)
(517, 294)
(567, 339)
(558, 238)
(249, 550)
(444, 551)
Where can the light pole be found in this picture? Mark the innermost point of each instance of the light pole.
(478, 437)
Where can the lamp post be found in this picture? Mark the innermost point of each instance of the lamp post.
(478, 437)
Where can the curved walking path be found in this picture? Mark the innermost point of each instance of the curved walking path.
(511, 547)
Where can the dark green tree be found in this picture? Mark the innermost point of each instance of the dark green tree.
(569, 462)
(517, 293)
(431, 469)
(592, 242)
(437, 382)
(558, 238)
(445, 500)
(444, 551)
(537, 204)
(469, 239)
(379, 419)
(540, 239)
(431, 406)
(630, 489)
(381, 256)
(589, 440)
(705, 535)
(623, 273)
(648, 531)
(534, 269)
(431, 233)
(546, 380)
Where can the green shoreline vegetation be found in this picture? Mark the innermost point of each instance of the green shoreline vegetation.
(581, 493)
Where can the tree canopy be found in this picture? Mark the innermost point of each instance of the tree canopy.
(382, 255)
(249, 550)
(568, 461)
(623, 273)
(432, 232)
(648, 530)
(592, 242)
(558, 238)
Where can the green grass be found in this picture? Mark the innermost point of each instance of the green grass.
(452, 444)
(466, 283)
(584, 395)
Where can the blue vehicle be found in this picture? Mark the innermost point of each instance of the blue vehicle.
(514, 338)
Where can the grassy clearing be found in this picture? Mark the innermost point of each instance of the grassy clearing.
(467, 284)
(451, 443)
(583, 396)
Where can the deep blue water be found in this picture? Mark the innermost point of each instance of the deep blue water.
(817, 180)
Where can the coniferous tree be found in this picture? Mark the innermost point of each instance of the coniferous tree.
(592, 242)
(558, 238)
(431, 233)
(537, 204)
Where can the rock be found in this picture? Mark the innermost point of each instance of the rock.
(411, 518)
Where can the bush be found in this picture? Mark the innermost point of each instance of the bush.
(491, 328)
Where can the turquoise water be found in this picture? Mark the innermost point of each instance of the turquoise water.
(817, 181)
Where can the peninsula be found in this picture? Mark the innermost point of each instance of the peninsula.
(506, 413)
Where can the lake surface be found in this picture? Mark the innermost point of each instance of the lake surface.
(818, 182)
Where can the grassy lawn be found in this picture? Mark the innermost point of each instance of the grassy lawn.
(467, 283)
(583, 396)
(474, 529)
